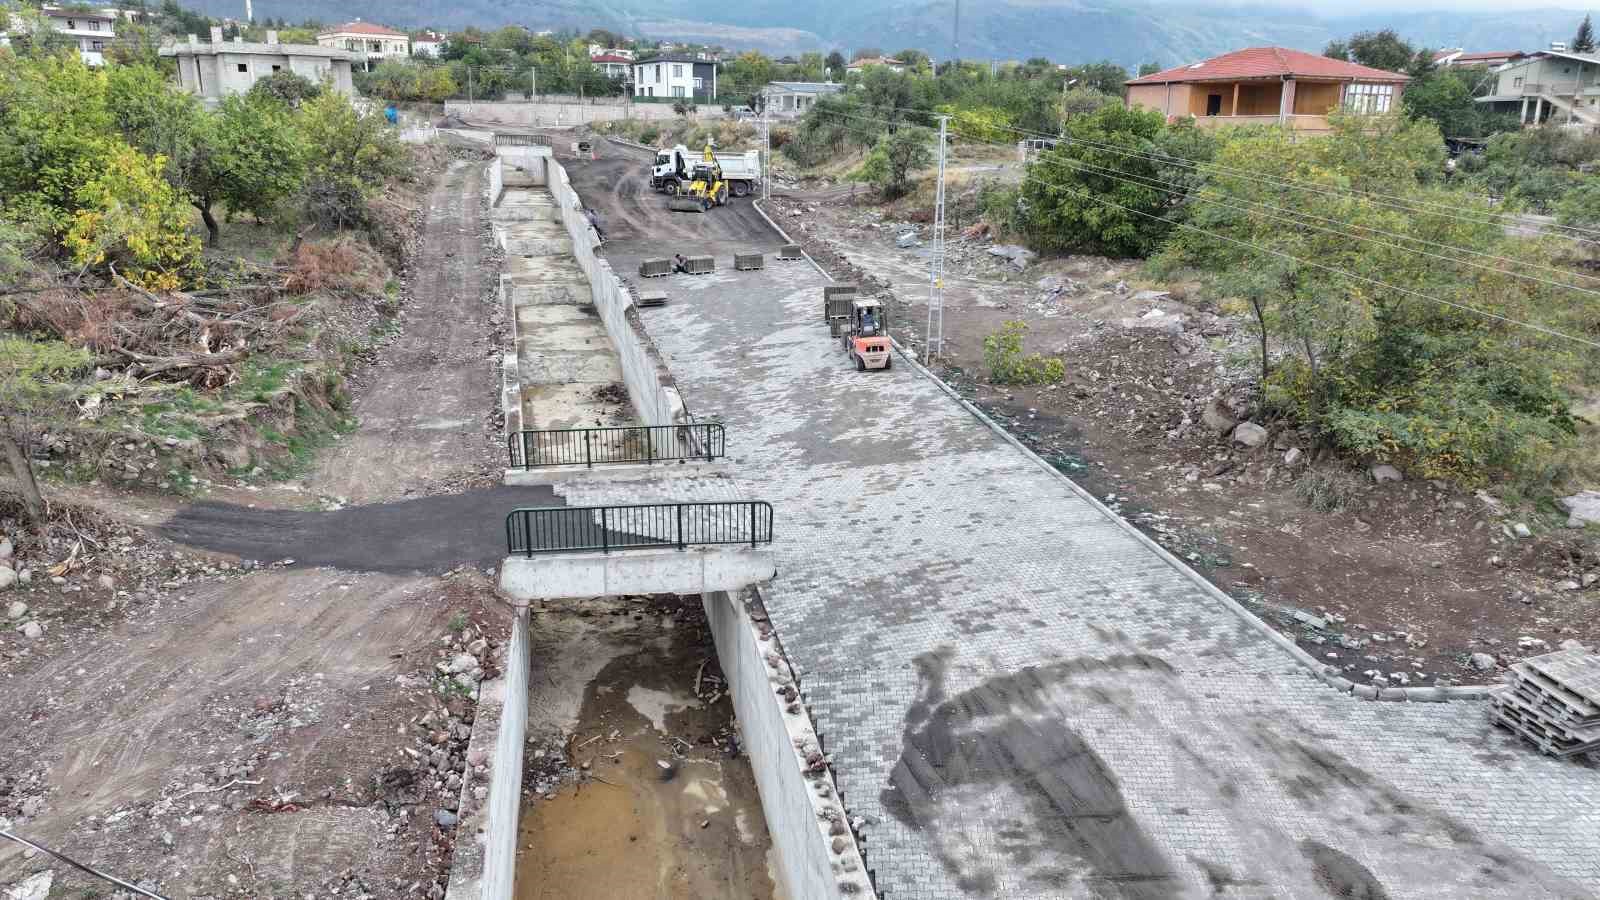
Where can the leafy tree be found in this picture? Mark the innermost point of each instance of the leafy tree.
(1336, 49)
(1149, 68)
(894, 159)
(288, 88)
(1445, 95)
(130, 217)
(349, 156)
(1105, 77)
(37, 379)
(1583, 41)
(836, 63)
(1083, 101)
(1108, 155)
(259, 159)
(915, 60)
(866, 53)
(1380, 50)
(1363, 355)
(46, 155)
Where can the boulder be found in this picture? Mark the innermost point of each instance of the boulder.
(1150, 296)
(1293, 457)
(8, 577)
(1483, 662)
(1015, 254)
(462, 662)
(1386, 472)
(1582, 508)
(1521, 530)
(906, 240)
(34, 887)
(31, 630)
(1218, 417)
(1249, 434)
(1156, 320)
(7, 549)
(16, 610)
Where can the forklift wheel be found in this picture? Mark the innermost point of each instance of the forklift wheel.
(861, 364)
(889, 363)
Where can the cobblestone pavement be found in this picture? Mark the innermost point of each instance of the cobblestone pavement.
(1024, 701)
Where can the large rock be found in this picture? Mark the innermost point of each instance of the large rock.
(1218, 417)
(16, 610)
(1483, 662)
(1582, 509)
(906, 240)
(31, 630)
(34, 887)
(1150, 296)
(1156, 320)
(8, 577)
(462, 662)
(1293, 457)
(1018, 256)
(7, 549)
(1249, 434)
(1386, 472)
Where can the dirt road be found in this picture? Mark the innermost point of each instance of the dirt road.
(617, 185)
(252, 734)
(428, 409)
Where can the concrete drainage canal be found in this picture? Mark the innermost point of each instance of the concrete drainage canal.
(635, 779)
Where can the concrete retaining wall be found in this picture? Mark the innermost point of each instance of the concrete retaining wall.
(497, 180)
(548, 113)
(649, 383)
(802, 807)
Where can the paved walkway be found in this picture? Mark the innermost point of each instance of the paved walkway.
(1024, 701)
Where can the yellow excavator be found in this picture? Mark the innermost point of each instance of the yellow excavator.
(705, 189)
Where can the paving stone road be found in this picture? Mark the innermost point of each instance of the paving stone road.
(1025, 702)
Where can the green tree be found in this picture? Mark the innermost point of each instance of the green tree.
(349, 156)
(894, 159)
(55, 136)
(1339, 50)
(836, 63)
(1149, 68)
(37, 381)
(1583, 41)
(289, 88)
(1108, 155)
(131, 218)
(1381, 50)
(1445, 96)
(1084, 101)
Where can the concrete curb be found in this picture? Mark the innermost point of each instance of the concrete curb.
(1328, 675)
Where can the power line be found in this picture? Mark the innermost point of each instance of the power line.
(78, 865)
(1173, 187)
(1422, 207)
(1332, 269)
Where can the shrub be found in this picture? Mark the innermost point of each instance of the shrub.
(132, 218)
(1002, 351)
(1328, 489)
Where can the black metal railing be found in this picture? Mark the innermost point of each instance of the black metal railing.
(568, 529)
(509, 139)
(592, 447)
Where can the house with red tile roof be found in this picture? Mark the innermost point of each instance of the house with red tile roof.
(1267, 85)
(1490, 58)
(370, 42)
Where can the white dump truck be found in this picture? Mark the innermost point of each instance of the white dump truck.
(673, 170)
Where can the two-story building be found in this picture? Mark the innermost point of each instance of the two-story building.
(90, 31)
(868, 62)
(1267, 85)
(370, 43)
(217, 68)
(681, 76)
(1488, 58)
(1549, 86)
(611, 65)
(791, 99)
(428, 43)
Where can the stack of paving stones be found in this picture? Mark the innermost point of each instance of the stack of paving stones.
(1553, 700)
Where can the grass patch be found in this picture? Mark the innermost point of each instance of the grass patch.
(1328, 489)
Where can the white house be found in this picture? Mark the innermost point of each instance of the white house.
(90, 30)
(611, 65)
(370, 43)
(219, 68)
(791, 99)
(675, 76)
(597, 50)
(428, 43)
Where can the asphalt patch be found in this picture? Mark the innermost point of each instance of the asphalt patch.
(426, 534)
(1341, 874)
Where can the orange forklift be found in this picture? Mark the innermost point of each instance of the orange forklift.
(866, 336)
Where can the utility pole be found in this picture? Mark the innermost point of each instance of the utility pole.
(933, 337)
(955, 38)
(766, 159)
(469, 85)
(533, 83)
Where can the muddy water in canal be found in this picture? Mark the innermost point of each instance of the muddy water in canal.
(655, 799)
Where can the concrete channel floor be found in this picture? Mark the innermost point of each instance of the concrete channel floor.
(1023, 701)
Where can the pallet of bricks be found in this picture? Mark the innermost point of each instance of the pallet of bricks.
(1553, 700)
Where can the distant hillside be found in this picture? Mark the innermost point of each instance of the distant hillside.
(1063, 30)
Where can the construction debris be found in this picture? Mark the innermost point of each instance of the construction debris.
(1553, 700)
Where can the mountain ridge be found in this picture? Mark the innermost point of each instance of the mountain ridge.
(1128, 32)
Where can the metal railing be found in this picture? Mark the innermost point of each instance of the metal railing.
(569, 529)
(509, 139)
(590, 447)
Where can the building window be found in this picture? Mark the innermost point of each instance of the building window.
(658, 74)
(677, 90)
(243, 67)
(677, 71)
(94, 26)
(277, 68)
(71, 24)
(1516, 82)
(97, 46)
(1368, 98)
(699, 84)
